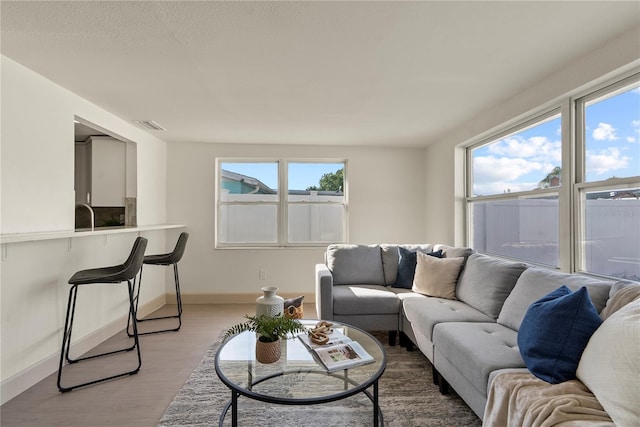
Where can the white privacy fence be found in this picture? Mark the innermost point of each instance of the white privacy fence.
(253, 218)
(528, 229)
(612, 237)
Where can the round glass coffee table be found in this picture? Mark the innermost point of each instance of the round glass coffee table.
(297, 378)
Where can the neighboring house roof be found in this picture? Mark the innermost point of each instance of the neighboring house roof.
(260, 186)
(616, 194)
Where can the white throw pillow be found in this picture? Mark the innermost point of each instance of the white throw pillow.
(610, 365)
(436, 277)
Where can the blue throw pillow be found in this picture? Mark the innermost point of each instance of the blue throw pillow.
(407, 267)
(555, 331)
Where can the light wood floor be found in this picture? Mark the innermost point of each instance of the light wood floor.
(137, 400)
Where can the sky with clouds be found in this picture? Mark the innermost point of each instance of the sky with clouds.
(520, 161)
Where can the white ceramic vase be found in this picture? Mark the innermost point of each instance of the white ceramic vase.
(269, 304)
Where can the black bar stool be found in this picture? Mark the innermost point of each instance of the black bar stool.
(171, 258)
(126, 272)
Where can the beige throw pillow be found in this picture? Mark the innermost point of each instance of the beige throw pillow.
(437, 277)
(620, 298)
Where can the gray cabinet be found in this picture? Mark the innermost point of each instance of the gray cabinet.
(101, 172)
(108, 171)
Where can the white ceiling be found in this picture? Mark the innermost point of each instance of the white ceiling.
(348, 73)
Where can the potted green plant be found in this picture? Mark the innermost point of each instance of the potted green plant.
(270, 330)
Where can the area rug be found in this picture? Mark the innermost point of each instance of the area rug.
(407, 397)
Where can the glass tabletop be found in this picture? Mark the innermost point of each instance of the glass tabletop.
(297, 377)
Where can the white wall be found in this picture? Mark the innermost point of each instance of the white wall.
(445, 158)
(386, 204)
(37, 195)
(38, 154)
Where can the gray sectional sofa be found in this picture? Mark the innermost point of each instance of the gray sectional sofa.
(465, 339)
(354, 285)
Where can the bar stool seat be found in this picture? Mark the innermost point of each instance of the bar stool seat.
(171, 258)
(98, 275)
(126, 272)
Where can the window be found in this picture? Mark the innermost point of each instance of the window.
(315, 213)
(253, 212)
(572, 201)
(248, 203)
(513, 205)
(608, 181)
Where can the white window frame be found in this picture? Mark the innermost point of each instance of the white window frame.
(580, 186)
(571, 192)
(514, 128)
(282, 205)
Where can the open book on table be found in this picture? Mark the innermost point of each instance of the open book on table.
(341, 352)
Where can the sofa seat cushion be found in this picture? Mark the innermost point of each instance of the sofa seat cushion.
(355, 264)
(404, 294)
(426, 312)
(536, 282)
(477, 349)
(364, 299)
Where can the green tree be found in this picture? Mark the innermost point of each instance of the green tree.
(552, 179)
(332, 181)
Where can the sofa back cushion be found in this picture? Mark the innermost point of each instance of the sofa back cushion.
(486, 282)
(390, 258)
(536, 282)
(454, 251)
(355, 264)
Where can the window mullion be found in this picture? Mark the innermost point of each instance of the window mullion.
(604, 244)
(283, 206)
(566, 231)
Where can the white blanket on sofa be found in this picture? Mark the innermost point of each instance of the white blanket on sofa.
(521, 399)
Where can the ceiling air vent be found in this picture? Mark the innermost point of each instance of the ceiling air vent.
(149, 124)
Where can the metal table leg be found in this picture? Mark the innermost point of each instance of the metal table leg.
(376, 408)
(234, 408)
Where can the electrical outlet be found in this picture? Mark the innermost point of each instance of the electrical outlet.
(262, 274)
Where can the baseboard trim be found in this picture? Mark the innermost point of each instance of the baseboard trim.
(21, 381)
(153, 305)
(232, 298)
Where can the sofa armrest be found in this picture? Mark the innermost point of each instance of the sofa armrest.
(324, 292)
